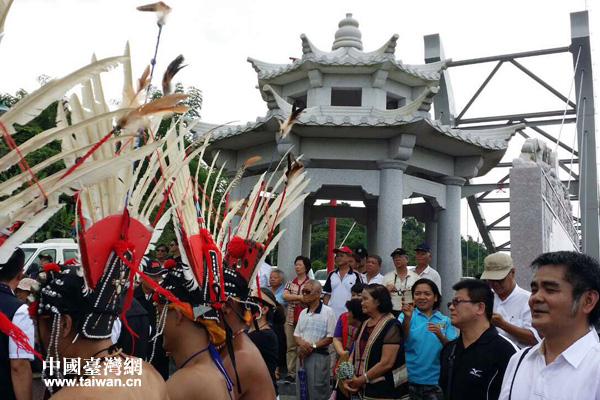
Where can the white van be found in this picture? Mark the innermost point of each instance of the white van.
(59, 249)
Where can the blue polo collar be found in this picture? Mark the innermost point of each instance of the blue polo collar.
(435, 313)
(318, 309)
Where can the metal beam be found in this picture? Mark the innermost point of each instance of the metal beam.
(496, 200)
(499, 228)
(489, 191)
(502, 246)
(509, 164)
(508, 57)
(545, 122)
(586, 133)
(478, 92)
(496, 222)
(552, 138)
(481, 224)
(514, 117)
(543, 83)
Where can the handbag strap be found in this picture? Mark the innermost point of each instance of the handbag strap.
(516, 369)
(450, 371)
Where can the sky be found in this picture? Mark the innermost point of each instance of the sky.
(54, 37)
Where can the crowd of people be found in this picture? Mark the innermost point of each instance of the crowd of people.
(499, 340)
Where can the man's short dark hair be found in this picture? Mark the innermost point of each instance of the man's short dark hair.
(381, 294)
(356, 257)
(14, 265)
(357, 288)
(376, 257)
(306, 261)
(164, 246)
(479, 292)
(581, 271)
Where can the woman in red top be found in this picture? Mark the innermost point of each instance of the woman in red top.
(292, 294)
(346, 330)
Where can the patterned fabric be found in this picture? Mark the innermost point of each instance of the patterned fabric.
(293, 287)
(314, 326)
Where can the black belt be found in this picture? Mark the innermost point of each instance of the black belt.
(322, 351)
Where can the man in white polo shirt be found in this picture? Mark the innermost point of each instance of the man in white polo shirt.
(565, 309)
(372, 275)
(337, 289)
(512, 315)
(313, 334)
(400, 281)
(423, 257)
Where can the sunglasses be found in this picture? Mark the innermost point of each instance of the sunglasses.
(162, 251)
(306, 291)
(456, 302)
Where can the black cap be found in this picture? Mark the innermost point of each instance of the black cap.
(399, 251)
(46, 256)
(424, 247)
(361, 252)
(152, 267)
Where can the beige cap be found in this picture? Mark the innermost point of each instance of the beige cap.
(497, 266)
(25, 284)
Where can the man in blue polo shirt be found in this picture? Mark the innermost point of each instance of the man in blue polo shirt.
(426, 330)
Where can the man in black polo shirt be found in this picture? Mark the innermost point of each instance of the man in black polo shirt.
(473, 365)
(15, 369)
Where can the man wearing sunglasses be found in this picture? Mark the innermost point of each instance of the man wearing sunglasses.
(314, 333)
(161, 254)
(473, 365)
(512, 316)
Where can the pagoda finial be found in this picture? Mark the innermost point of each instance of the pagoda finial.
(348, 34)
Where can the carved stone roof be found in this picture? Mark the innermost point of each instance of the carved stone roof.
(347, 50)
(491, 139)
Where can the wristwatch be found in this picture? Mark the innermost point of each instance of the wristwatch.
(314, 345)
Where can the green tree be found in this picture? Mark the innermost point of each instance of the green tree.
(473, 254)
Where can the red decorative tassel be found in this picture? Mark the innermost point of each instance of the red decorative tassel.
(51, 267)
(170, 263)
(32, 309)
(17, 335)
(237, 247)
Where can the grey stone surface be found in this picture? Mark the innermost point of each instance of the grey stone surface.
(449, 260)
(526, 220)
(431, 238)
(290, 246)
(389, 214)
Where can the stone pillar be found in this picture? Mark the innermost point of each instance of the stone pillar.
(235, 194)
(431, 238)
(306, 229)
(449, 250)
(290, 244)
(371, 225)
(389, 209)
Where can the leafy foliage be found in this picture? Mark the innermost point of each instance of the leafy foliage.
(473, 264)
(413, 232)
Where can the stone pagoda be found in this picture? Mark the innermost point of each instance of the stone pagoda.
(366, 135)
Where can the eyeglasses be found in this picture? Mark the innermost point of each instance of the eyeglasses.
(162, 251)
(306, 291)
(456, 302)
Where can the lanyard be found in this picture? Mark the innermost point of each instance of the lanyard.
(405, 281)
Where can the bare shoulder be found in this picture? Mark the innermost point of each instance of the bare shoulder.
(149, 385)
(254, 375)
(201, 381)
